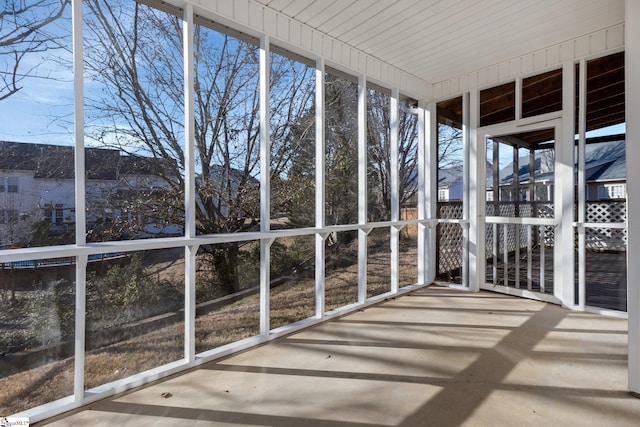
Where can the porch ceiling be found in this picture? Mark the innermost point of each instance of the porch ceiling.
(437, 40)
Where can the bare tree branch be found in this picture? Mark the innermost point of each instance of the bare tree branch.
(24, 32)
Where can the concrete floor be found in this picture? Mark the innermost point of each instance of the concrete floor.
(435, 357)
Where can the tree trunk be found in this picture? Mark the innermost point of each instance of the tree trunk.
(225, 263)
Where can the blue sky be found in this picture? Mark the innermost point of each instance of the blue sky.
(42, 111)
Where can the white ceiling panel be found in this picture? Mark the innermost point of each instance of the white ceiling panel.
(437, 40)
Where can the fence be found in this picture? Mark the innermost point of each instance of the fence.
(449, 237)
(54, 262)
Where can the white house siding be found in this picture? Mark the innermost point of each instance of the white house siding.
(24, 202)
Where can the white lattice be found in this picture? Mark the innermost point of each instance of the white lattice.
(449, 238)
(606, 239)
(545, 210)
(606, 211)
(450, 210)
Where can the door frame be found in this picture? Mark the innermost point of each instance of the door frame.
(562, 221)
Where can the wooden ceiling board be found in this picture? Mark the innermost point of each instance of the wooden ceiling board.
(276, 4)
(468, 51)
(433, 49)
(438, 40)
(340, 10)
(319, 12)
(362, 32)
(295, 7)
(398, 26)
(353, 17)
(464, 60)
(419, 36)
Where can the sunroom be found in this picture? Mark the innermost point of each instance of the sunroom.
(181, 181)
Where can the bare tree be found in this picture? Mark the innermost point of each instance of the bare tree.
(134, 56)
(379, 153)
(450, 153)
(24, 31)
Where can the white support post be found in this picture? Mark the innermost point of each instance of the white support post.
(189, 123)
(78, 106)
(516, 202)
(534, 213)
(495, 177)
(190, 253)
(265, 151)
(530, 231)
(394, 133)
(505, 253)
(477, 174)
(265, 282)
(190, 187)
(265, 189)
(632, 102)
(582, 128)
(80, 203)
(564, 193)
(362, 265)
(80, 313)
(543, 261)
(362, 188)
(320, 188)
(422, 193)
(465, 191)
(431, 184)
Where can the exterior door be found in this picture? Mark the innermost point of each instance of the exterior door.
(523, 250)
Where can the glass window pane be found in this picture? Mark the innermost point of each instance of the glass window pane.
(408, 255)
(135, 313)
(293, 154)
(379, 156)
(226, 136)
(450, 189)
(36, 135)
(37, 331)
(134, 107)
(293, 284)
(378, 262)
(542, 93)
(498, 104)
(605, 182)
(521, 174)
(227, 293)
(341, 127)
(341, 269)
(605, 93)
(408, 191)
(408, 155)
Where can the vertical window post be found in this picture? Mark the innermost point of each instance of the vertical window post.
(362, 188)
(394, 126)
(80, 202)
(431, 186)
(476, 197)
(564, 191)
(632, 102)
(189, 190)
(320, 188)
(465, 190)
(265, 193)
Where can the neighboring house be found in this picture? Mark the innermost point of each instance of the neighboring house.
(450, 184)
(606, 169)
(605, 173)
(227, 185)
(37, 184)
